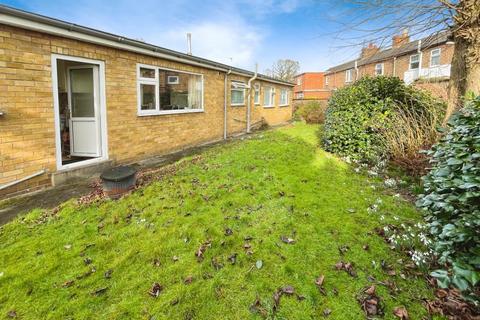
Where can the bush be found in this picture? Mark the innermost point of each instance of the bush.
(312, 111)
(452, 201)
(359, 115)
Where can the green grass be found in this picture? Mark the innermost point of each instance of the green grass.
(271, 184)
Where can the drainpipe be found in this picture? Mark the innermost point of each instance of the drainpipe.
(419, 49)
(356, 70)
(225, 106)
(394, 66)
(249, 102)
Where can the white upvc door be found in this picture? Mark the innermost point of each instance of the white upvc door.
(84, 109)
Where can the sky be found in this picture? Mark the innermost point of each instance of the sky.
(239, 33)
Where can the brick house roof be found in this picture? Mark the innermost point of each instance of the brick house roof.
(412, 46)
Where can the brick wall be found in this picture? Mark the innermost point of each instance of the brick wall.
(27, 132)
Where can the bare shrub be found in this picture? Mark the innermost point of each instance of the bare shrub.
(312, 111)
(409, 134)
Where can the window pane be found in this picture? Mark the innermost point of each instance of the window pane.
(180, 91)
(81, 85)
(435, 61)
(147, 73)
(238, 97)
(147, 94)
(267, 96)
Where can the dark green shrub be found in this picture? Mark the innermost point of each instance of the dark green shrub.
(452, 201)
(358, 115)
(312, 111)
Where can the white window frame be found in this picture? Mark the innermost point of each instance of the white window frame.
(272, 97)
(176, 81)
(381, 69)
(439, 50)
(299, 81)
(151, 81)
(410, 64)
(348, 75)
(256, 94)
(280, 104)
(242, 89)
(326, 80)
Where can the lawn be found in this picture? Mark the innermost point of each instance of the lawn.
(226, 229)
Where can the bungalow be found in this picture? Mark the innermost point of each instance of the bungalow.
(74, 98)
(425, 62)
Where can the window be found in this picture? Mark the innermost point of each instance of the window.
(173, 80)
(256, 94)
(414, 61)
(299, 81)
(327, 79)
(165, 91)
(237, 93)
(283, 97)
(268, 96)
(435, 57)
(299, 95)
(379, 69)
(349, 75)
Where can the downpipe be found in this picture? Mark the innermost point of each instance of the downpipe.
(225, 105)
(249, 96)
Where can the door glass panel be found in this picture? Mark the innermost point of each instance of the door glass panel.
(81, 82)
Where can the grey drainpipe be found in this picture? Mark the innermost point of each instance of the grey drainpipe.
(249, 102)
(225, 106)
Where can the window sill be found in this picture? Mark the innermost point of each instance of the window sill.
(238, 105)
(269, 106)
(284, 105)
(167, 112)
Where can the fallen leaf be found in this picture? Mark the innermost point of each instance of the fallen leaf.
(87, 261)
(247, 246)
(288, 290)
(343, 249)
(257, 307)
(67, 246)
(68, 283)
(327, 312)
(287, 240)
(365, 247)
(248, 238)
(319, 283)
(108, 274)
(12, 314)
(175, 258)
(401, 312)
(259, 264)
(156, 262)
(228, 232)
(370, 290)
(100, 291)
(201, 250)
(233, 258)
(174, 302)
(188, 280)
(155, 290)
(217, 265)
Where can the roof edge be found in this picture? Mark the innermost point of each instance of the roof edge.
(20, 18)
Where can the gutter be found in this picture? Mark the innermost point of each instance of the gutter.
(26, 20)
(249, 96)
(225, 105)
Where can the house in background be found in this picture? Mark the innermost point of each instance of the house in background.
(310, 86)
(425, 63)
(75, 99)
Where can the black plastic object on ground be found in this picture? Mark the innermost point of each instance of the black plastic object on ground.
(119, 180)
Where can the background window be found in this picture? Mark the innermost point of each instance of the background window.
(435, 58)
(349, 75)
(268, 95)
(256, 94)
(237, 94)
(283, 97)
(379, 69)
(415, 61)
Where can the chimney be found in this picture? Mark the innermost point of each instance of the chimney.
(400, 40)
(189, 43)
(369, 51)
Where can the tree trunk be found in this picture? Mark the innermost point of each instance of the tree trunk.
(465, 72)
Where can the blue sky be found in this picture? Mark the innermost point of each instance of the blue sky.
(239, 33)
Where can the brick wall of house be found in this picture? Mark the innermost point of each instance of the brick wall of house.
(27, 131)
(402, 64)
(312, 86)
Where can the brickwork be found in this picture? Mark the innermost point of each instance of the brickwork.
(27, 131)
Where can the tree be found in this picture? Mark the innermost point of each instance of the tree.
(284, 69)
(381, 19)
